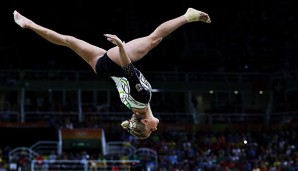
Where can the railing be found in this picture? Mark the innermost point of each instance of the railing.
(34, 116)
(21, 151)
(46, 147)
(145, 156)
(10, 116)
(13, 76)
(253, 118)
(20, 75)
(82, 165)
(207, 118)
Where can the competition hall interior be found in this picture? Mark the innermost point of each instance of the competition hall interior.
(225, 93)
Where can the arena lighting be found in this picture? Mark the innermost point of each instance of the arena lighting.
(211, 92)
(155, 90)
(235, 92)
(260, 92)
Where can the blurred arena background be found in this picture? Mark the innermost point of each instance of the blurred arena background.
(226, 93)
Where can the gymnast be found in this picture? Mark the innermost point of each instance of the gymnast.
(117, 64)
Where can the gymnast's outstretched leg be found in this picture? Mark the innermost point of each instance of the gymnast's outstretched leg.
(88, 52)
(139, 47)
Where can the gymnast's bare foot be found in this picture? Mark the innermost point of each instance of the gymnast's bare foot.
(192, 15)
(21, 20)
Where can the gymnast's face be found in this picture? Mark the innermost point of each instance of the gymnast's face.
(147, 119)
(151, 124)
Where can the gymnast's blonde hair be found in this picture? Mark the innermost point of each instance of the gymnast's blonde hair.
(135, 127)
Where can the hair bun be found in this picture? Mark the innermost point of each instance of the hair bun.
(125, 124)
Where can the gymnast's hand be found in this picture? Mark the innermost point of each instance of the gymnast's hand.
(114, 39)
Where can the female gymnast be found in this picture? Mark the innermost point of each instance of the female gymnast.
(117, 63)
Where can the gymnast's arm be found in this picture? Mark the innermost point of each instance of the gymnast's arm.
(125, 62)
(124, 59)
